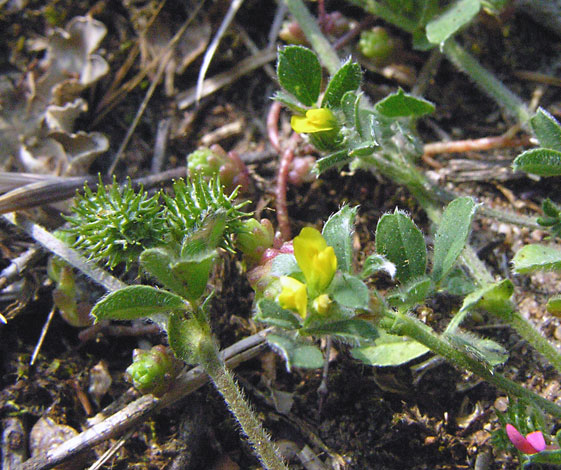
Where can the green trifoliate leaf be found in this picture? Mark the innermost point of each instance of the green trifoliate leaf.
(376, 263)
(547, 130)
(295, 352)
(495, 298)
(402, 243)
(337, 232)
(346, 79)
(411, 294)
(354, 329)
(401, 104)
(532, 258)
(452, 235)
(299, 73)
(457, 15)
(389, 350)
(273, 314)
(349, 291)
(134, 302)
(541, 162)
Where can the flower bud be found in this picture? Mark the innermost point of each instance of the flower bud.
(153, 371)
(254, 238)
(376, 44)
(213, 161)
(260, 278)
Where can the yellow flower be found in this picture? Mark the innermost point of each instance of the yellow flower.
(316, 120)
(321, 304)
(293, 295)
(316, 260)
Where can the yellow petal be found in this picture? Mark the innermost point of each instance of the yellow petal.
(316, 120)
(293, 295)
(316, 260)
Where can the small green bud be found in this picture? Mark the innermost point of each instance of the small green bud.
(254, 238)
(209, 162)
(154, 370)
(376, 44)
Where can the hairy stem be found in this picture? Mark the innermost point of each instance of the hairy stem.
(409, 326)
(525, 329)
(234, 398)
(486, 81)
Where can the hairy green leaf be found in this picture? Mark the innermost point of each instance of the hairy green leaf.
(389, 350)
(457, 15)
(134, 302)
(402, 243)
(299, 73)
(349, 291)
(542, 162)
(532, 258)
(547, 130)
(354, 328)
(376, 263)
(401, 104)
(495, 298)
(295, 352)
(271, 313)
(346, 79)
(452, 235)
(411, 294)
(338, 231)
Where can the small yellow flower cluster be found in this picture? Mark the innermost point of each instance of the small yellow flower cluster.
(318, 264)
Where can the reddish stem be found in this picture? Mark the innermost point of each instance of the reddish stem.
(273, 125)
(280, 189)
(485, 143)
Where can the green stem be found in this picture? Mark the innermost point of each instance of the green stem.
(415, 329)
(234, 398)
(376, 8)
(486, 81)
(208, 356)
(311, 30)
(525, 329)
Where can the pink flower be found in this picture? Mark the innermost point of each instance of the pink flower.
(531, 444)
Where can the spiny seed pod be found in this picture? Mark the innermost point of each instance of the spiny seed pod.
(153, 371)
(254, 238)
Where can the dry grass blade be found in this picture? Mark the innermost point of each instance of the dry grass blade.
(209, 54)
(189, 97)
(165, 57)
(72, 257)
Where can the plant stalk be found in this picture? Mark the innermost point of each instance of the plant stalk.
(234, 398)
(319, 42)
(415, 329)
(527, 331)
(486, 81)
